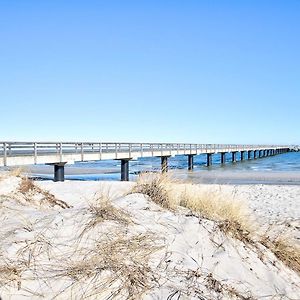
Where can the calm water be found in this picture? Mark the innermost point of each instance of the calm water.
(288, 162)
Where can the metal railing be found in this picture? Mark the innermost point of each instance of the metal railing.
(14, 149)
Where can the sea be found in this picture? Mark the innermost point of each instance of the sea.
(110, 169)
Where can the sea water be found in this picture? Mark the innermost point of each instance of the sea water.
(287, 162)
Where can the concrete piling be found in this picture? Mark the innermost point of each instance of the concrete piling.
(208, 159)
(233, 156)
(223, 158)
(249, 154)
(125, 169)
(242, 155)
(190, 162)
(59, 171)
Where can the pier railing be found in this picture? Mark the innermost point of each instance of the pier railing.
(9, 149)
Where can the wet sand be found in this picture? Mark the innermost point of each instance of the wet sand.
(240, 177)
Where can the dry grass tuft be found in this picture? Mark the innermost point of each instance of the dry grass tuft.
(157, 187)
(17, 172)
(102, 210)
(238, 230)
(10, 274)
(222, 289)
(29, 189)
(118, 267)
(285, 250)
(231, 215)
(27, 185)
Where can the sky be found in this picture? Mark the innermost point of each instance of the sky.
(150, 71)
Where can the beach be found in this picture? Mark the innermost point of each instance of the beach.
(150, 150)
(58, 242)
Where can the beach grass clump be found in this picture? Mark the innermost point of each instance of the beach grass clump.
(102, 210)
(118, 267)
(157, 187)
(285, 249)
(27, 185)
(30, 190)
(11, 273)
(231, 215)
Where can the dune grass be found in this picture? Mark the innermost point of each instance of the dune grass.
(29, 190)
(157, 187)
(101, 209)
(231, 215)
(118, 267)
(285, 249)
(10, 273)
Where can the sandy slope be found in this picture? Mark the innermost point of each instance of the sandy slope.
(177, 255)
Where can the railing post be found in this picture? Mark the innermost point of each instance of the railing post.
(9, 150)
(129, 149)
(81, 149)
(116, 150)
(4, 154)
(60, 152)
(100, 151)
(35, 153)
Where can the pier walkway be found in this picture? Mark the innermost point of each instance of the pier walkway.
(58, 153)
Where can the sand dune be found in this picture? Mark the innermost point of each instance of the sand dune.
(65, 241)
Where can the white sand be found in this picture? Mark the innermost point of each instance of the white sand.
(195, 258)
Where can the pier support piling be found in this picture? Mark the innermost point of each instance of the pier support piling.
(190, 161)
(208, 159)
(242, 155)
(125, 169)
(164, 164)
(223, 158)
(249, 154)
(59, 171)
(233, 157)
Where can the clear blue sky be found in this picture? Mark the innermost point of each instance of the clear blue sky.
(173, 71)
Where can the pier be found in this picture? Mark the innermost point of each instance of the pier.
(59, 154)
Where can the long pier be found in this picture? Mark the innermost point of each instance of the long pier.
(58, 153)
